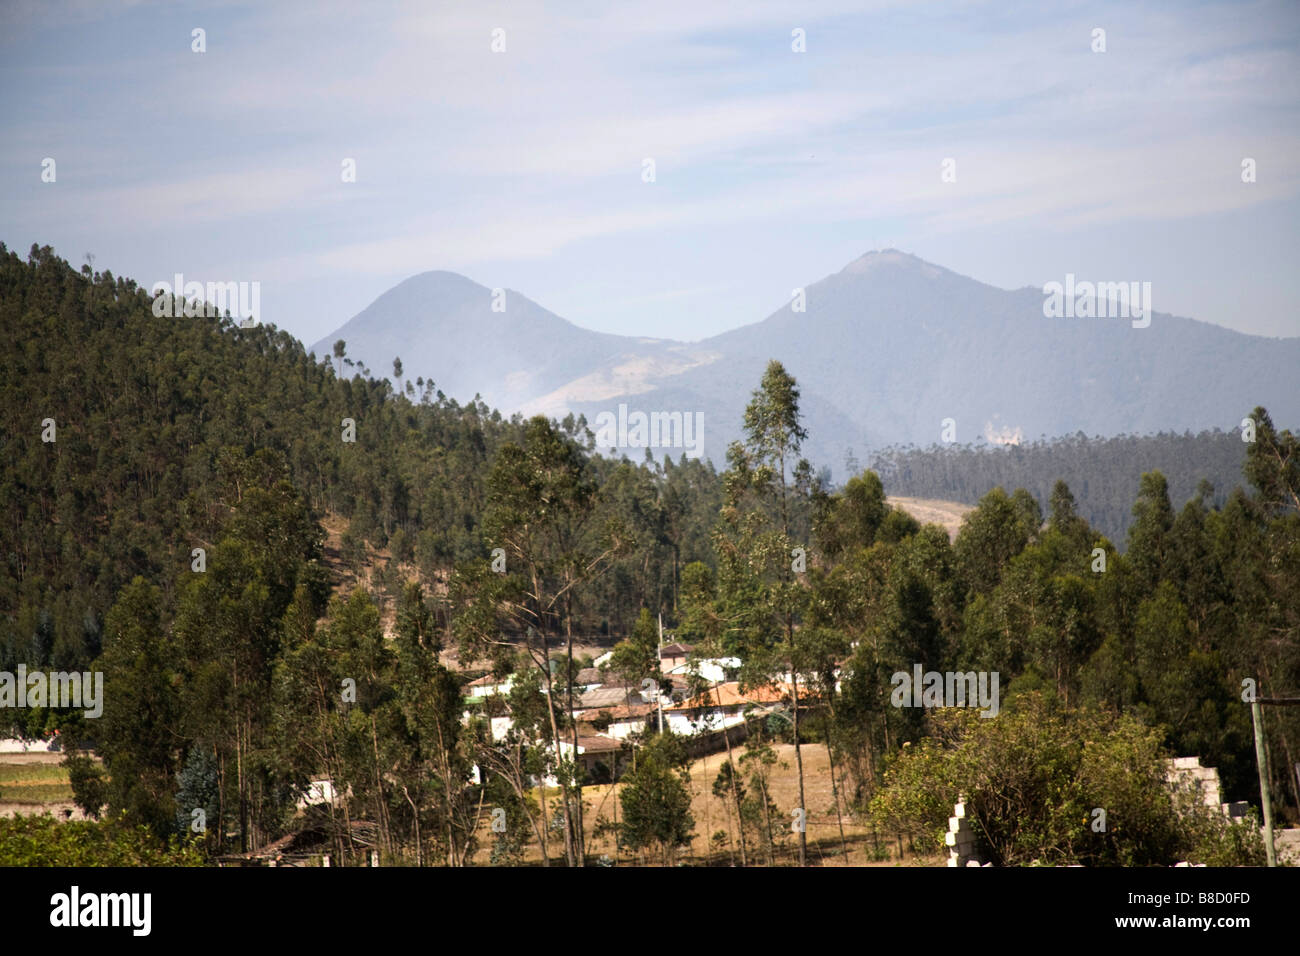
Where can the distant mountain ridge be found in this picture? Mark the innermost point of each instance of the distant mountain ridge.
(885, 350)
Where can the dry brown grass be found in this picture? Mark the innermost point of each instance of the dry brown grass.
(824, 844)
(949, 514)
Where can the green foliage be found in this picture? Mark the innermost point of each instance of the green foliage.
(638, 657)
(1104, 473)
(656, 800)
(1215, 840)
(759, 814)
(135, 479)
(1033, 780)
(196, 789)
(994, 533)
(852, 518)
(1273, 464)
(89, 784)
(43, 841)
(190, 433)
(141, 710)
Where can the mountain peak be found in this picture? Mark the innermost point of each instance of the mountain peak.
(885, 350)
(441, 279)
(891, 260)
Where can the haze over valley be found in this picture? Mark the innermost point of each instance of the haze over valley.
(886, 350)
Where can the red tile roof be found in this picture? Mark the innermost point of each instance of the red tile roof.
(730, 696)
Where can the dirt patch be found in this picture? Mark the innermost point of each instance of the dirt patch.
(948, 514)
(32, 757)
(62, 810)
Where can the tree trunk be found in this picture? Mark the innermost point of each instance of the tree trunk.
(798, 759)
(415, 812)
(835, 789)
(767, 820)
(545, 832)
(385, 830)
(239, 767)
(555, 738)
(445, 773)
(545, 664)
(580, 835)
(735, 795)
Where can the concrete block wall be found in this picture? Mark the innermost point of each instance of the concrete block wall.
(959, 838)
(1206, 779)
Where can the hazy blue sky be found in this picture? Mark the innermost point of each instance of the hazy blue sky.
(523, 169)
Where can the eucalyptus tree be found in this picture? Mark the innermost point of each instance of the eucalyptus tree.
(538, 520)
(762, 542)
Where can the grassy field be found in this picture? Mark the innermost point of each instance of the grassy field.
(33, 783)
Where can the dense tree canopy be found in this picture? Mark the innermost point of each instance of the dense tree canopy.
(171, 531)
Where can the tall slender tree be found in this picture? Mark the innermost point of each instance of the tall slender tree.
(763, 541)
(541, 498)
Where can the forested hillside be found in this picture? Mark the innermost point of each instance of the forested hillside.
(1103, 473)
(237, 676)
(159, 423)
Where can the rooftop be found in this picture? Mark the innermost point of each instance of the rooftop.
(729, 695)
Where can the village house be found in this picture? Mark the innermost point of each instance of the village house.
(600, 756)
(721, 707)
(673, 655)
(488, 686)
(603, 698)
(715, 670)
(609, 709)
(628, 719)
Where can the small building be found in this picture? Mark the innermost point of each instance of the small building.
(487, 686)
(715, 670)
(673, 655)
(604, 698)
(628, 719)
(599, 755)
(720, 707)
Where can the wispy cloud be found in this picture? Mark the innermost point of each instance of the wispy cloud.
(503, 162)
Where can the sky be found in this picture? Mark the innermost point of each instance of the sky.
(525, 167)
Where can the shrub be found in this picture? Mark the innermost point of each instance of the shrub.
(44, 841)
(1033, 779)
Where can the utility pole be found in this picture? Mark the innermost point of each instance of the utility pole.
(659, 650)
(1261, 759)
